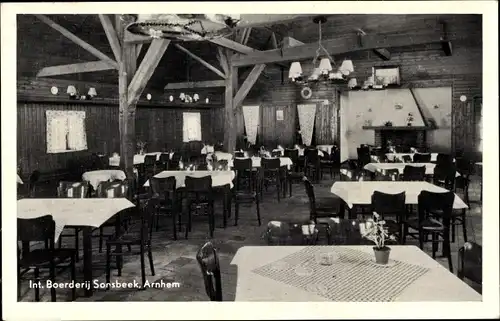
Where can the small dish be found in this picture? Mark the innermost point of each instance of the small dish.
(391, 263)
(303, 271)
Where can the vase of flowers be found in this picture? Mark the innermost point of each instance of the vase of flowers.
(141, 146)
(375, 231)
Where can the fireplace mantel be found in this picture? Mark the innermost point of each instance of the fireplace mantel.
(397, 128)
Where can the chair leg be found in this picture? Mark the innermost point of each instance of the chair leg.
(434, 245)
(52, 275)
(143, 268)
(453, 227)
(101, 232)
(446, 244)
(108, 263)
(236, 212)
(73, 277)
(77, 241)
(421, 238)
(464, 225)
(290, 188)
(174, 222)
(257, 204)
(150, 257)
(36, 274)
(119, 259)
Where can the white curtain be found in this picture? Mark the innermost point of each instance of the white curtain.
(307, 115)
(77, 136)
(191, 127)
(252, 119)
(65, 131)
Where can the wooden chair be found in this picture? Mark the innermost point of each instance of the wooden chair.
(271, 174)
(294, 176)
(393, 205)
(425, 224)
(470, 262)
(173, 163)
(72, 190)
(345, 232)
(331, 162)
(200, 198)
(246, 187)
(312, 164)
(115, 189)
(291, 233)
(42, 229)
(444, 159)
(239, 154)
(163, 162)
(209, 264)
(138, 235)
(164, 191)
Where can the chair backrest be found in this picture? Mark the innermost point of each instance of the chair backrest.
(115, 189)
(239, 154)
(391, 174)
(389, 204)
(209, 264)
(293, 154)
(73, 189)
(407, 159)
(430, 201)
(444, 159)
(242, 164)
(163, 186)
(413, 173)
(291, 233)
(35, 229)
(150, 160)
(363, 156)
(470, 262)
(421, 158)
(310, 195)
(270, 163)
(199, 184)
(445, 173)
(276, 153)
(465, 167)
(345, 232)
(164, 158)
(33, 180)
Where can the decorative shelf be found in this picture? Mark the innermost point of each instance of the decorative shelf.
(397, 127)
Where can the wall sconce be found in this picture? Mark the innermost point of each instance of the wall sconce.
(463, 98)
(73, 94)
(71, 91)
(207, 100)
(54, 90)
(148, 96)
(196, 97)
(171, 98)
(92, 93)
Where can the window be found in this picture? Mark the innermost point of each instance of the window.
(191, 127)
(66, 131)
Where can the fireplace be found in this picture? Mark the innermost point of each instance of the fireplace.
(403, 138)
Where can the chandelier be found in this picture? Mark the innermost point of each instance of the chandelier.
(323, 71)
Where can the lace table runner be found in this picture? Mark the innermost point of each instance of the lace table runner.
(353, 276)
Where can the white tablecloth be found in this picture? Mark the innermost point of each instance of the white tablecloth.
(436, 284)
(138, 159)
(399, 156)
(19, 180)
(207, 149)
(284, 161)
(220, 156)
(301, 152)
(96, 177)
(219, 178)
(382, 167)
(72, 211)
(360, 193)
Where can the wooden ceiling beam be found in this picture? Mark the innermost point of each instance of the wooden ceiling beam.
(138, 49)
(291, 42)
(146, 69)
(338, 46)
(221, 56)
(74, 68)
(110, 31)
(198, 84)
(382, 53)
(247, 85)
(262, 20)
(200, 60)
(77, 40)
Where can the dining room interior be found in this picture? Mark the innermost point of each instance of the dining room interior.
(250, 157)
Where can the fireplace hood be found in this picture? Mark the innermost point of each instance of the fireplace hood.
(396, 106)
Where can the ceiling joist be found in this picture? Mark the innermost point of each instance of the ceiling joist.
(200, 60)
(247, 85)
(338, 46)
(74, 68)
(195, 85)
(382, 53)
(110, 31)
(78, 41)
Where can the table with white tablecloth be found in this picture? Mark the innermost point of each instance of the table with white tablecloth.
(399, 156)
(256, 162)
(88, 213)
(294, 274)
(383, 167)
(325, 148)
(138, 158)
(360, 193)
(207, 149)
(96, 177)
(220, 156)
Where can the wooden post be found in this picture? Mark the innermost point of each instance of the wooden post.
(229, 113)
(128, 65)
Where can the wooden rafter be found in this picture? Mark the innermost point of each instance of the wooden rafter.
(110, 31)
(77, 40)
(382, 53)
(74, 68)
(291, 42)
(338, 46)
(200, 60)
(274, 41)
(221, 56)
(198, 84)
(138, 49)
(146, 69)
(248, 84)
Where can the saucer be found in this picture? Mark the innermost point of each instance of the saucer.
(391, 263)
(303, 271)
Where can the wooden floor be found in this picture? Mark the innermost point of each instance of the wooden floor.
(174, 261)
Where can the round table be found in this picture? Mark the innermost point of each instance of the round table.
(96, 177)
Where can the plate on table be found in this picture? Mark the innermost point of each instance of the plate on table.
(303, 271)
(389, 264)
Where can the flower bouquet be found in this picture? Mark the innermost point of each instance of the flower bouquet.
(141, 146)
(374, 230)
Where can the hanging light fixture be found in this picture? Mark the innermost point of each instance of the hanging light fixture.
(324, 71)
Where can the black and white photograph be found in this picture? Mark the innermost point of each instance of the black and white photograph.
(314, 155)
